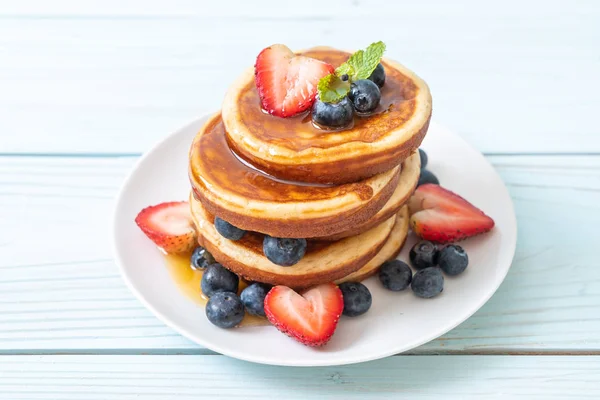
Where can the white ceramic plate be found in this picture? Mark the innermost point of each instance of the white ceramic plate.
(395, 323)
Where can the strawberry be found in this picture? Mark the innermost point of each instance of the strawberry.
(441, 216)
(169, 225)
(287, 83)
(310, 317)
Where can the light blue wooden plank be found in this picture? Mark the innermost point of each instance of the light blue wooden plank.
(61, 291)
(510, 77)
(275, 8)
(401, 377)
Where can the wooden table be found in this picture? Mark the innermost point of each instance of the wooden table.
(88, 86)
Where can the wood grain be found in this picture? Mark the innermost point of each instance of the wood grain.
(60, 291)
(87, 86)
(113, 76)
(401, 377)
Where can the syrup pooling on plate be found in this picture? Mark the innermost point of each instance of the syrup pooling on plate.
(188, 280)
(215, 164)
(298, 133)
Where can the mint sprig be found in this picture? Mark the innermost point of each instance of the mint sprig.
(360, 65)
(332, 89)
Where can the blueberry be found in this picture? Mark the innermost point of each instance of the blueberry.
(333, 115)
(284, 251)
(453, 259)
(357, 298)
(227, 230)
(378, 75)
(395, 275)
(201, 258)
(423, 254)
(217, 278)
(424, 158)
(427, 177)
(365, 95)
(225, 310)
(428, 282)
(253, 298)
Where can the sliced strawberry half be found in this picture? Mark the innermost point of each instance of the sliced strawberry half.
(310, 317)
(287, 83)
(441, 216)
(169, 225)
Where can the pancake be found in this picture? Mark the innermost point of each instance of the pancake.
(323, 261)
(389, 251)
(294, 149)
(409, 177)
(254, 201)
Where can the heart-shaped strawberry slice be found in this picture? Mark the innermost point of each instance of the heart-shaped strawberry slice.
(287, 83)
(310, 317)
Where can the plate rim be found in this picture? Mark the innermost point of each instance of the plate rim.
(120, 198)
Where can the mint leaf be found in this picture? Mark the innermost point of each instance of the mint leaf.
(345, 68)
(332, 89)
(361, 64)
(368, 61)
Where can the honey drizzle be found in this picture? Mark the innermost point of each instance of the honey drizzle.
(188, 280)
(213, 163)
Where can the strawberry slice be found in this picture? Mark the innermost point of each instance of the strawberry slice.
(441, 216)
(310, 318)
(169, 225)
(287, 83)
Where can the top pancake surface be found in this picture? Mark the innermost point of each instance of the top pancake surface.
(293, 148)
(298, 133)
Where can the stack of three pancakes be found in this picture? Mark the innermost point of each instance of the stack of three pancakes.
(344, 191)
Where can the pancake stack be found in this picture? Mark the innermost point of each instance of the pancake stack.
(343, 191)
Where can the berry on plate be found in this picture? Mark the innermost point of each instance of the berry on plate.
(169, 226)
(201, 258)
(217, 278)
(310, 317)
(357, 298)
(423, 157)
(225, 310)
(284, 251)
(287, 83)
(253, 298)
(453, 259)
(395, 275)
(423, 254)
(441, 216)
(428, 282)
(427, 176)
